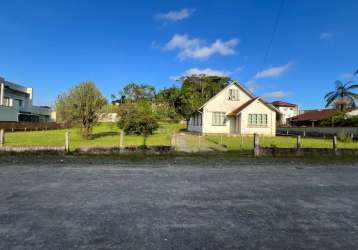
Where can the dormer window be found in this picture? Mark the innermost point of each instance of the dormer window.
(233, 95)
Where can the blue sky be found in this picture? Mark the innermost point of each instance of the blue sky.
(53, 45)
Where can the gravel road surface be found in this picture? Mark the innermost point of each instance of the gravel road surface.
(165, 206)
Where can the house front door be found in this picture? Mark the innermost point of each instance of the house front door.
(238, 122)
(232, 125)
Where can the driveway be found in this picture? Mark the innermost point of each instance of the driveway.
(138, 206)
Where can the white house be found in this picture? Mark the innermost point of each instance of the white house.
(108, 117)
(16, 104)
(235, 110)
(288, 110)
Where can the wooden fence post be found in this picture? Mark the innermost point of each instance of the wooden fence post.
(221, 140)
(199, 141)
(256, 145)
(173, 140)
(2, 137)
(67, 141)
(298, 142)
(334, 144)
(121, 140)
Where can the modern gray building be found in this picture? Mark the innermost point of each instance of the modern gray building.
(16, 104)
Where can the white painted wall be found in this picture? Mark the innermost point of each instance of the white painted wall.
(287, 112)
(352, 113)
(221, 103)
(258, 107)
(108, 117)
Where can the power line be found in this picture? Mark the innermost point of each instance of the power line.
(273, 33)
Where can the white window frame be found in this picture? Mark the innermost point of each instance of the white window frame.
(197, 120)
(257, 120)
(218, 119)
(7, 101)
(233, 95)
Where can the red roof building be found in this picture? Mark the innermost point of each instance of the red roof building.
(283, 104)
(311, 117)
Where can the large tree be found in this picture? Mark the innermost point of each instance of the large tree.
(196, 90)
(343, 96)
(81, 105)
(167, 103)
(133, 92)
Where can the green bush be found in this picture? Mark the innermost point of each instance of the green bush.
(137, 119)
(344, 136)
(340, 120)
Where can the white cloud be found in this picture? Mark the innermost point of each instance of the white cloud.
(276, 94)
(273, 71)
(239, 69)
(174, 78)
(207, 71)
(196, 48)
(174, 16)
(251, 85)
(346, 75)
(326, 35)
(197, 71)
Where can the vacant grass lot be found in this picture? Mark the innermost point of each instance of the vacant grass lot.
(246, 142)
(105, 134)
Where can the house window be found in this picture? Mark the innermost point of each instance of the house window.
(20, 102)
(197, 120)
(7, 102)
(218, 119)
(233, 94)
(257, 120)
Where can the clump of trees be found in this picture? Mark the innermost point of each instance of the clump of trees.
(139, 107)
(80, 105)
(196, 90)
(174, 103)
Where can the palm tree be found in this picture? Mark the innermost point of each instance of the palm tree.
(342, 97)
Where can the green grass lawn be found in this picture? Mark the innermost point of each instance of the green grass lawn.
(108, 134)
(246, 142)
(104, 134)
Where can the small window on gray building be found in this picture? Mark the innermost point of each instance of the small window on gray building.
(7, 102)
(20, 102)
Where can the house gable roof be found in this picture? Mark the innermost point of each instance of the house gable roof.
(246, 104)
(237, 84)
(242, 107)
